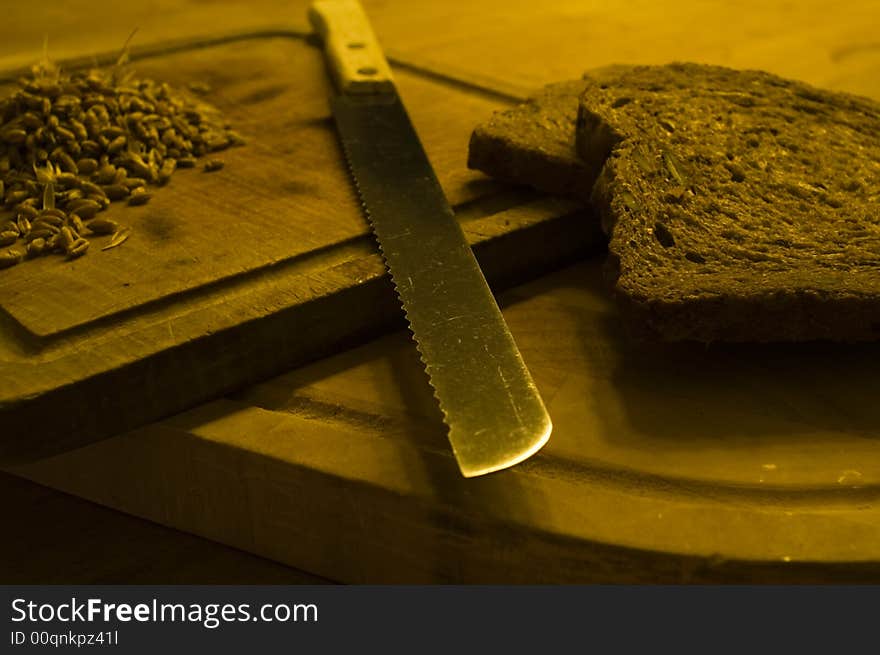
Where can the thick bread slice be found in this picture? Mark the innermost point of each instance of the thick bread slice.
(741, 206)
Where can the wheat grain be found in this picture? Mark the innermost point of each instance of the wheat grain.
(75, 142)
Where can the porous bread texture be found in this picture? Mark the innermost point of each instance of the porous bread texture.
(740, 206)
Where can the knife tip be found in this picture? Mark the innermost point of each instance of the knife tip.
(484, 468)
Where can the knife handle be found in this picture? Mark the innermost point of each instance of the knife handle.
(352, 50)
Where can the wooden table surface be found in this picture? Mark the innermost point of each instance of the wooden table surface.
(511, 47)
(520, 44)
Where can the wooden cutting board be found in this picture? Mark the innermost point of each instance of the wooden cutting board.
(231, 276)
(666, 463)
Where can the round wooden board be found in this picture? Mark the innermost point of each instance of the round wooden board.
(666, 464)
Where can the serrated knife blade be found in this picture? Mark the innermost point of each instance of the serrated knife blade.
(492, 408)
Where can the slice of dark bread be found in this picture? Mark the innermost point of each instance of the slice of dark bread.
(534, 143)
(740, 206)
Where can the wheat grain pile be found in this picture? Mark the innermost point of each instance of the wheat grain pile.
(72, 143)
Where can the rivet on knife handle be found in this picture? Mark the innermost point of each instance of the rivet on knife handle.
(355, 56)
(495, 415)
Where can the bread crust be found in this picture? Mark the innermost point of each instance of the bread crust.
(534, 143)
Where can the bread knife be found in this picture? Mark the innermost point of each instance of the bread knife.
(494, 413)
